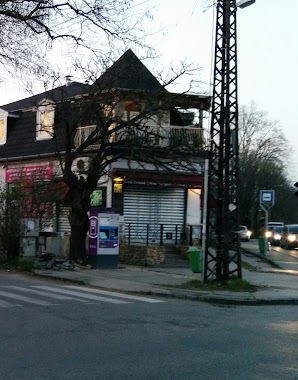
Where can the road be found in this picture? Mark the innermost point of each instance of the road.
(52, 330)
(286, 259)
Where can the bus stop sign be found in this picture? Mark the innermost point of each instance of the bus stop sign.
(267, 197)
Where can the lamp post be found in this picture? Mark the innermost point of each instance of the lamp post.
(222, 257)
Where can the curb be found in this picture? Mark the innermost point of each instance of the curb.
(261, 257)
(273, 302)
(184, 295)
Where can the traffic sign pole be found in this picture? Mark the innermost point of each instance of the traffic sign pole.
(267, 200)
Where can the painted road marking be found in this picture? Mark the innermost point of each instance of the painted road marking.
(119, 295)
(82, 295)
(46, 294)
(7, 304)
(23, 298)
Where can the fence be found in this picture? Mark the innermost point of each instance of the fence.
(161, 234)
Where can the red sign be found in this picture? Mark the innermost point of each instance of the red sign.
(161, 180)
(36, 172)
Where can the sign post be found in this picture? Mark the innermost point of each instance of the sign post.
(267, 200)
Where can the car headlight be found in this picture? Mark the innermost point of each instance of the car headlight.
(248, 233)
(277, 237)
(292, 238)
(268, 234)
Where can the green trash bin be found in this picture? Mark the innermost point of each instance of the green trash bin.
(262, 245)
(194, 259)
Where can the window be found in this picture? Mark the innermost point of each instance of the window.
(131, 110)
(83, 133)
(3, 126)
(45, 120)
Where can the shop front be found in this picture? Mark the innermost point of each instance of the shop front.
(155, 205)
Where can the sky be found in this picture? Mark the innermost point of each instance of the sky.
(267, 55)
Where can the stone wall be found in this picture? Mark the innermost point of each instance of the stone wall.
(141, 255)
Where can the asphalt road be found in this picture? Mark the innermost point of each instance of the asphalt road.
(52, 331)
(287, 259)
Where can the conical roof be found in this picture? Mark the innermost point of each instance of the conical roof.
(128, 72)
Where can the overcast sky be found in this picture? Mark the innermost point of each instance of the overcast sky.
(267, 54)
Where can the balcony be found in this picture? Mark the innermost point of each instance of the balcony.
(172, 136)
(185, 136)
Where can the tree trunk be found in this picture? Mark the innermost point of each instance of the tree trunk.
(79, 222)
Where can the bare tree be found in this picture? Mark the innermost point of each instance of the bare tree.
(24, 198)
(30, 28)
(258, 134)
(263, 156)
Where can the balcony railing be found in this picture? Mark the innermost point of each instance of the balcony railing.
(166, 136)
(186, 136)
(171, 136)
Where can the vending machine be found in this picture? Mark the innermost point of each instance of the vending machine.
(103, 238)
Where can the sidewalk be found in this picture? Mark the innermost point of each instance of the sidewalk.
(275, 285)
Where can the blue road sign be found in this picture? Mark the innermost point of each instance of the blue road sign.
(267, 197)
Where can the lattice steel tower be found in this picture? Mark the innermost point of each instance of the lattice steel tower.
(222, 246)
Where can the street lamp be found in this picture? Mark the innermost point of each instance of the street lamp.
(245, 3)
(222, 214)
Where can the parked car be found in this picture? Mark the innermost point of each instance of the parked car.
(289, 237)
(244, 233)
(276, 235)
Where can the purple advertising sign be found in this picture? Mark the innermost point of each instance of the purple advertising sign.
(93, 231)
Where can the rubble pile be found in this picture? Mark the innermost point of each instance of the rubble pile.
(50, 261)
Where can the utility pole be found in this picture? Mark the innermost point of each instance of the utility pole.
(222, 259)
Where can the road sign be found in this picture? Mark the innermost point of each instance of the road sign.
(267, 197)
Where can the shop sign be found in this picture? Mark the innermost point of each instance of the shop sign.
(35, 173)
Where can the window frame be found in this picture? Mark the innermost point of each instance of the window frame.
(3, 117)
(46, 133)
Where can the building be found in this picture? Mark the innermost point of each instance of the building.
(158, 196)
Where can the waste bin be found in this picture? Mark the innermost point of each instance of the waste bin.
(262, 245)
(194, 259)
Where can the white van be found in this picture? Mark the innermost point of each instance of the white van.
(270, 226)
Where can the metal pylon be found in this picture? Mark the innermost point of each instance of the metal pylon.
(222, 246)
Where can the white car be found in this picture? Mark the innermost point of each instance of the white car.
(244, 233)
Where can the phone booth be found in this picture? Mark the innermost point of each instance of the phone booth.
(103, 238)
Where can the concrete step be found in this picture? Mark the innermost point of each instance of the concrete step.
(176, 260)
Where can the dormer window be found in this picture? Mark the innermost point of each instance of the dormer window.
(3, 126)
(45, 120)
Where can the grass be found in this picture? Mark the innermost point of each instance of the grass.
(17, 264)
(234, 285)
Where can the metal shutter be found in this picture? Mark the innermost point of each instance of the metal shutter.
(150, 208)
(63, 219)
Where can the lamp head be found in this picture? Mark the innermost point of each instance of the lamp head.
(245, 3)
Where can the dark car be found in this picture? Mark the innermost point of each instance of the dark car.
(289, 237)
(276, 235)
